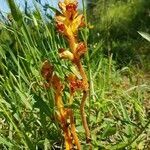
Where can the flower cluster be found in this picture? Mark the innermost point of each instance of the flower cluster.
(68, 24)
(69, 21)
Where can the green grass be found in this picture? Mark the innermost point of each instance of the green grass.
(118, 106)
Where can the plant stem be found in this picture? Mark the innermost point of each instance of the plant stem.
(83, 116)
(83, 102)
(73, 130)
(83, 75)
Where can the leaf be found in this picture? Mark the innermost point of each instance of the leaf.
(42, 105)
(16, 13)
(24, 98)
(126, 117)
(110, 130)
(5, 142)
(119, 146)
(52, 8)
(145, 35)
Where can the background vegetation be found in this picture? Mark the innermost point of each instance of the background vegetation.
(117, 65)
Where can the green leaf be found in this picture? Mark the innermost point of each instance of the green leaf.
(126, 117)
(110, 130)
(24, 98)
(145, 35)
(119, 146)
(42, 105)
(5, 142)
(52, 8)
(16, 13)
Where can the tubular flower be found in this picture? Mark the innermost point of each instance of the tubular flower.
(69, 8)
(69, 27)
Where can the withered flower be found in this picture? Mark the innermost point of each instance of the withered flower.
(57, 85)
(47, 72)
(74, 83)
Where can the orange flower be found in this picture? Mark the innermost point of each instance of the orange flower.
(61, 27)
(68, 28)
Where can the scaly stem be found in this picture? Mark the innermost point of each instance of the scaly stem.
(73, 130)
(67, 137)
(72, 43)
(62, 117)
(83, 75)
(83, 102)
(83, 116)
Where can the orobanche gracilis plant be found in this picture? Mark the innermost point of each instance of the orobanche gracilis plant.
(68, 23)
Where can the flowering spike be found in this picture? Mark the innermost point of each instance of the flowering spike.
(68, 23)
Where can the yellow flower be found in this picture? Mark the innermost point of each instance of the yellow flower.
(68, 28)
(69, 21)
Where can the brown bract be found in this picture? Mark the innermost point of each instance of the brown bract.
(80, 50)
(47, 70)
(57, 85)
